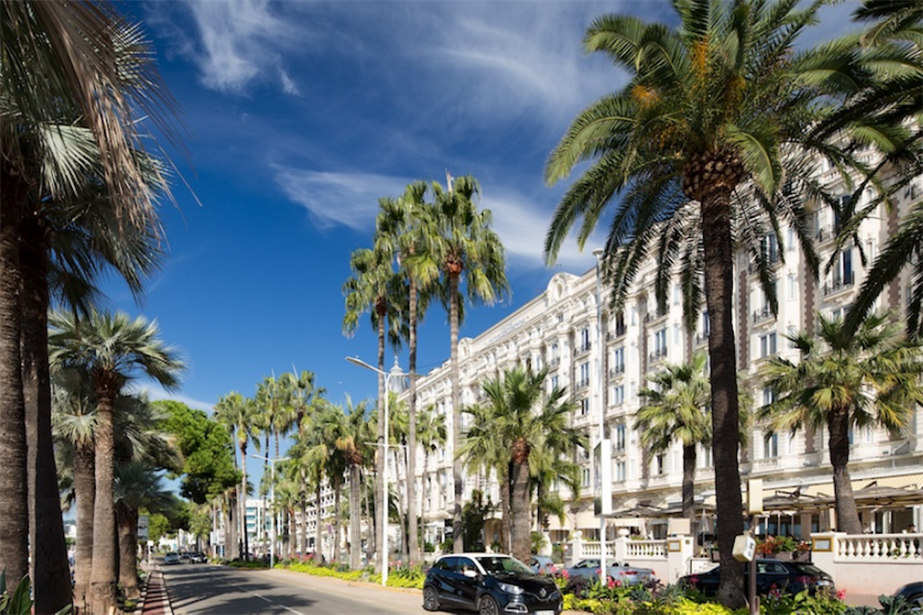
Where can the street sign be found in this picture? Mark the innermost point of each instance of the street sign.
(144, 523)
(744, 548)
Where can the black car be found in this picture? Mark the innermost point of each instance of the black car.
(913, 593)
(771, 575)
(489, 584)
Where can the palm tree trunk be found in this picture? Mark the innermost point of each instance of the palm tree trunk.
(519, 505)
(413, 544)
(336, 519)
(355, 512)
(232, 540)
(689, 459)
(242, 504)
(719, 290)
(381, 310)
(506, 528)
(304, 513)
(457, 476)
(85, 490)
(14, 508)
(128, 550)
(50, 571)
(102, 578)
(847, 518)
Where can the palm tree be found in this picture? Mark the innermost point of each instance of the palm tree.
(137, 485)
(74, 422)
(238, 414)
(352, 436)
(845, 381)
(61, 61)
(112, 348)
(675, 408)
(401, 229)
(374, 287)
(523, 420)
(466, 245)
(713, 125)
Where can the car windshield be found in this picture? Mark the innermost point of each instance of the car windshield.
(807, 569)
(494, 564)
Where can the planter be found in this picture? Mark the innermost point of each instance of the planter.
(783, 556)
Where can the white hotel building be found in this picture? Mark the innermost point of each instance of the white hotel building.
(557, 330)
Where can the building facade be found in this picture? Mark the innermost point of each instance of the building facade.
(603, 357)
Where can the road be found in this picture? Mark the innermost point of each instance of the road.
(205, 589)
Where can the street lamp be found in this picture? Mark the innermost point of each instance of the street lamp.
(604, 465)
(272, 499)
(394, 373)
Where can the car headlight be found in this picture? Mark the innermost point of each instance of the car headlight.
(515, 590)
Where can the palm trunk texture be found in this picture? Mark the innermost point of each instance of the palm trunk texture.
(521, 513)
(102, 578)
(413, 543)
(689, 459)
(128, 549)
(14, 508)
(50, 570)
(719, 290)
(458, 480)
(85, 491)
(847, 518)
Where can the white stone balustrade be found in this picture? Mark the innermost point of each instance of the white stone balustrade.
(870, 564)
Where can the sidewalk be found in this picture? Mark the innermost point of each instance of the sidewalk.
(155, 598)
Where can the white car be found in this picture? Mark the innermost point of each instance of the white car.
(171, 558)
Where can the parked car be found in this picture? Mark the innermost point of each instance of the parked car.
(913, 593)
(171, 558)
(622, 572)
(541, 564)
(787, 577)
(198, 558)
(489, 584)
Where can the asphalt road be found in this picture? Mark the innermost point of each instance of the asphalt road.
(205, 589)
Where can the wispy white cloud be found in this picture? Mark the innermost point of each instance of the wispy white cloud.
(240, 41)
(338, 198)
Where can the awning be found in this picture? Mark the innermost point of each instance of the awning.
(885, 492)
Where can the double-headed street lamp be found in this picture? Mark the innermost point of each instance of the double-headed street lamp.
(604, 465)
(272, 500)
(388, 376)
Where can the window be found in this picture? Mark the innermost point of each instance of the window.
(618, 395)
(620, 324)
(660, 463)
(586, 477)
(769, 247)
(706, 324)
(584, 379)
(660, 344)
(584, 406)
(771, 446)
(768, 344)
(584, 339)
(620, 437)
(768, 396)
(618, 360)
(554, 382)
(620, 471)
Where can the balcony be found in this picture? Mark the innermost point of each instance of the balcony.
(701, 339)
(618, 332)
(554, 362)
(650, 318)
(772, 259)
(839, 283)
(616, 371)
(658, 355)
(762, 315)
(582, 385)
(825, 233)
(583, 349)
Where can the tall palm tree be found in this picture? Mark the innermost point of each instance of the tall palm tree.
(112, 348)
(61, 61)
(675, 408)
(239, 415)
(352, 437)
(375, 288)
(713, 125)
(844, 381)
(471, 257)
(402, 229)
(526, 421)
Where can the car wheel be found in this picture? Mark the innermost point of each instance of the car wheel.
(430, 599)
(488, 606)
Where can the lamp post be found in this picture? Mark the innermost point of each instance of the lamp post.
(605, 457)
(388, 376)
(272, 499)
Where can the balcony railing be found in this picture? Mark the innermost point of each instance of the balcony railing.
(826, 233)
(648, 318)
(701, 339)
(581, 385)
(616, 371)
(657, 355)
(583, 348)
(839, 283)
(554, 362)
(762, 315)
(616, 333)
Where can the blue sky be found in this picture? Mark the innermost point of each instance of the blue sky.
(300, 115)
